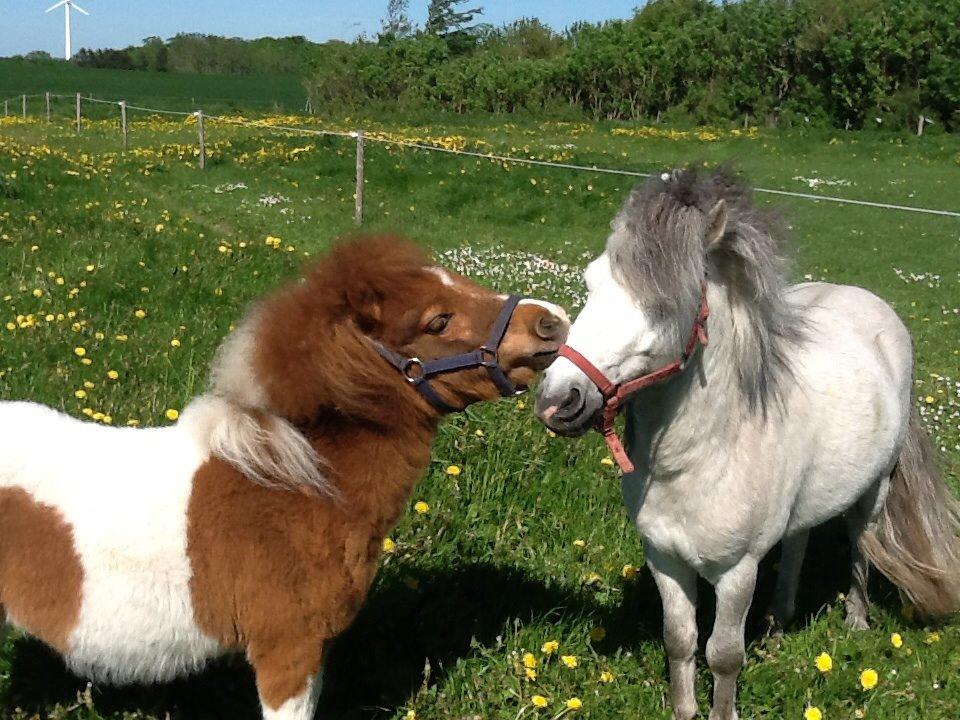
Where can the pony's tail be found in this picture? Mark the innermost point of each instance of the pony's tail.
(916, 541)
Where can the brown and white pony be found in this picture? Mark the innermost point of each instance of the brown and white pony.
(255, 523)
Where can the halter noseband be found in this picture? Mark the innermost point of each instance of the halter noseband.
(418, 372)
(614, 394)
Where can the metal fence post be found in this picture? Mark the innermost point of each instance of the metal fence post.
(123, 122)
(202, 140)
(78, 112)
(47, 97)
(358, 208)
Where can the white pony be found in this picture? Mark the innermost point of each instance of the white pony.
(799, 410)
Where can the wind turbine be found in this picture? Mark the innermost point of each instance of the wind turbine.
(67, 4)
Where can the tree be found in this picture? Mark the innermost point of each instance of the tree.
(397, 23)
(443, 17)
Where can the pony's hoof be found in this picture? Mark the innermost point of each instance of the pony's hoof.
(687, 712)
(717, 716)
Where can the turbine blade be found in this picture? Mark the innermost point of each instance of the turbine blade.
(59, 4)
(78, 8)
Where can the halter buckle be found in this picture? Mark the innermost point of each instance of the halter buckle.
(405, 370)
(485, 353)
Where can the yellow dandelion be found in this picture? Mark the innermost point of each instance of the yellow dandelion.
(539, 701)
(823, 662)
(91, 268)
(607, 677)
(607, 461)
(530, 674)
(389, 545)
(38, 293)
(478, 432)
(869, 679)
(421, 508)
(574, 703)
(598, 633)
(628, 572)
(931, 638)
(579, 543)
(158, 228)
(79, 351)
(896, 640)
(570, 661)
(529, 661)
(112, 374)
(175, 343)
(812, 713)
(550, 647)
(140, 313)
(930, 399)
(453, 470)
(172, 414)
(80, 394)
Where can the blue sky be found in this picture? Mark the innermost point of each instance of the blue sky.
(118, 23)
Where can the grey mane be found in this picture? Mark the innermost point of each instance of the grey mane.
(657, 251)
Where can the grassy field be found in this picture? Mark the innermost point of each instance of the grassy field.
(528, 544)
(275, 93)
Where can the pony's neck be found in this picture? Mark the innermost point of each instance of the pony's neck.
(704, 405)
(374, 467)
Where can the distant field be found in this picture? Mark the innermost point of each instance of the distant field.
(529, 543)
(280, 93)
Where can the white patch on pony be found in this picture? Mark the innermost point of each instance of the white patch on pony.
(442, 274)
(549, 306)
(299, 707)
(124, 492)
(235, 423)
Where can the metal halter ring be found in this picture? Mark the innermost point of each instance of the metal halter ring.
(410, 363)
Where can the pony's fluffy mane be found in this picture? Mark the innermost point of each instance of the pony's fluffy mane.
(657, 250)
(299, 354)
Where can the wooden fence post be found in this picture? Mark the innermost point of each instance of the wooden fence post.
(358, 208)
(6, 108)
(123, 122)
(202, 140)
(47, 96)
(78, 113)
(24, 107)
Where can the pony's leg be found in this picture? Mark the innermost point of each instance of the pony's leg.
(725, 648)
(793, 548)
(677, 584)
(859, 518)
(289, 680)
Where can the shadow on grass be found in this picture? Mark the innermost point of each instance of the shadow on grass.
(380, 661)
(373, 668)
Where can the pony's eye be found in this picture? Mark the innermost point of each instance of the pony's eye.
(438, 324)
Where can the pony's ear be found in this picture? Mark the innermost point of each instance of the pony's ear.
(716, 225)
(365, 307)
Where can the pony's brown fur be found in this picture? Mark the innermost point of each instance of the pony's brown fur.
(916, 542)
(277, 573)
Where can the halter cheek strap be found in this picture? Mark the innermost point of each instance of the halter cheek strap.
(418, 372)
(614, 394)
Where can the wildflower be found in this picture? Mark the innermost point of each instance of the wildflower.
(421, 508)
(389, 545)
(932, 638)
(812, 713)
(530, 674)
(574, 703)
(824, 663)
(122, 337)
(550, 647)
(570, 661)
(80, 351)
(607, 461)
(113, 374)
(896, 640)
(607, 677)
(929, 399)
(598, 633)
(172, 414)
(175, 343)
(580, 543)
(140, 314)
(411, 715)
(628, 572)
(529, 661)
(37, 293)
(453, 470)
(539, 701)
(478, 432)
(158, 228)
(91, 268)
(869, 679)
(80, 394)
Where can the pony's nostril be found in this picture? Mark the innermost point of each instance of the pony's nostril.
(571, 403)
(548, 327)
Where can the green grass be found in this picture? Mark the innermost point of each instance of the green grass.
(497, 567)
(168, 90)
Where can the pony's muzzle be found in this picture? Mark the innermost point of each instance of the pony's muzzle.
(564, 404)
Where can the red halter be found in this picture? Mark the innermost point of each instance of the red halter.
(614, 395)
